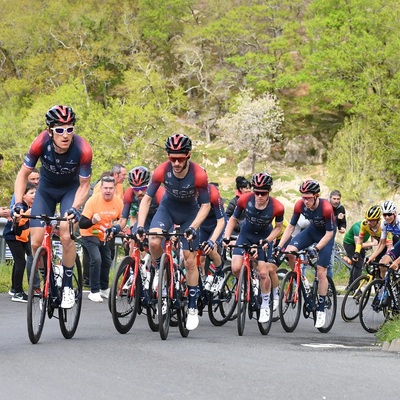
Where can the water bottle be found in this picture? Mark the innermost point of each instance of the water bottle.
(209, 281)
(306, 284)
(58, 274)
(255, 283)
(177, 279)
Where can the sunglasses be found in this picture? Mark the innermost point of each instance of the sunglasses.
(257, 193)
(387, 215)
(307, 197)
(179, 159)
(61, 131)
(139, 188)
(108, 179)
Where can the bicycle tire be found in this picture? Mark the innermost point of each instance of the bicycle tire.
(330, 307)
(337, 264)
(242, 303)
(124, 306)
(289, 307)
(151, 309)
(372, 313)
(182, 312)
(351, 300)
(265, 327)
(37, 303)
(164, 280)
(69, 317)
(221, 305)
(281, 272)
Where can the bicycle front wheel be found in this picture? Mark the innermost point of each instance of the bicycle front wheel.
(69, 317)
(290, 302)
(151, 309)
(330, 307)
(281, 272)
(164, 301)
(242, 303)
(37, 300)
(124, 297)
(222, 304)
(182, 298)
(374, 306)
(351, 300)
(265, 327)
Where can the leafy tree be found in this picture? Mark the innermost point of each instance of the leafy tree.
(254, 123)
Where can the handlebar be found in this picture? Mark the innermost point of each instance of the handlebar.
(48, 220)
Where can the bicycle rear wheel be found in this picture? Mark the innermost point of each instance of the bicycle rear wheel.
(351, 301)
(151, 309)
(330, 307)
(265, 327)
(37, 302)
(164, 301)
(124, 305)
(221, 305)
(373, 309)
(69, 317)
(242, 303)
(290, 302)
(281, 272)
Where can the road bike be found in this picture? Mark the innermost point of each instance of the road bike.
(351, 300)
(295, 288)
(247, 295)
(131, 291)
(45, 297)
(341, 260)
(220, 303)
(380, 301)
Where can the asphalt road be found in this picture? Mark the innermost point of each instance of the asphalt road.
(212, 363)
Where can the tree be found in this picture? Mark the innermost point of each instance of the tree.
(255, 123)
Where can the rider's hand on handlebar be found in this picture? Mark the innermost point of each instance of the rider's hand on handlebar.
(313, 254)
(73, 214)
(16, 210)
(208, 246)
(190, 233)
(139, 232)
(356, 256)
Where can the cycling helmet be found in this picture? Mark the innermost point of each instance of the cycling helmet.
(262, 181)
(178, 144)
(60, 115)
(139, 176)
(388, 207)
(310, 186)
(373, 213)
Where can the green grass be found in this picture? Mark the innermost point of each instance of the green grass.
(5, 277)
(389, 331)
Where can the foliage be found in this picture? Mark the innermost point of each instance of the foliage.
(254, 123)
(389, 331)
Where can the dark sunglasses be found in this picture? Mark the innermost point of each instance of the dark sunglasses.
(388, 214)
(257, 193)
(179, 159)
(61, 131)
(140, 188)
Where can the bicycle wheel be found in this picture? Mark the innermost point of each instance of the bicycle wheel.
(164, 301)
(242, 303)
(124, 305)
(281, 272)
(351, 301)
(330, 307)
(337, 264)
(221, 305)
(151, 309)
(69, 317)
(265, 327)
(182, 312)
(373, 309)
(37, 301)
(290, 302)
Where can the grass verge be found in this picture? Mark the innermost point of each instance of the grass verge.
(389, 331)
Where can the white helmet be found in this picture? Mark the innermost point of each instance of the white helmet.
(388, 207)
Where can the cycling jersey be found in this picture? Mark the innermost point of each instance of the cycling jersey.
(354, 231)
(364, 229)
(390, 232)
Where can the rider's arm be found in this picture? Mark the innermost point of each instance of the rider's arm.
(381, 246)
(82, 192)
(324, 240)
(219, 228)
(201, 215)
(230, 227)
(275, 232)
(286, 235)
(20, 183)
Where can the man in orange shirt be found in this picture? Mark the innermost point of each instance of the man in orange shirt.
(98, 220)
(118, 172)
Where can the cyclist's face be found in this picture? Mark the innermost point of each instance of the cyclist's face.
(309, 200)
(261, 197)
(178, 161)
(108, 190)
(373, 223)
(389, 218)
(62, 142)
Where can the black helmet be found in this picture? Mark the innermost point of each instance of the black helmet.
(262, 181)
(60, 115)
(178, 144)
(310, 186)
(139, 176)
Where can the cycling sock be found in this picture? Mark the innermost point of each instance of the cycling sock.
(193, 295)
(265, 299)
(68, 272)
(275, 292)
(321, 303)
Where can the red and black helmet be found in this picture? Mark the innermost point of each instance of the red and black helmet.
(139, 176)
(262, 181)
(178, 143)
(60, 115)
(310, 186)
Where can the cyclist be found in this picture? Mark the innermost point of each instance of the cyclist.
(320, 235)
(210, 235)
(186, 186)
(65, 174)
(260, 209)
